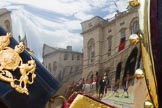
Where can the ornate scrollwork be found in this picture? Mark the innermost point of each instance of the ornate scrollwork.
(10, 61)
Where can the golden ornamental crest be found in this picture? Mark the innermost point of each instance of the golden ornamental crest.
(10, 60)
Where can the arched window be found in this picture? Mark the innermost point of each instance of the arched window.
(7, 24)
(122, 39)
(134, 26)
(109, 39)
(91, 50)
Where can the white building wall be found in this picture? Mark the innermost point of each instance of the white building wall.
(65, 68)
(100, 34)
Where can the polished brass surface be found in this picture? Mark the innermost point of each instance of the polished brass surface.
(145, 42)
(134, 39)
(148, 104)
(52, 100)
(139, 74)
(134, 3)
(10, 61)
(82, 101)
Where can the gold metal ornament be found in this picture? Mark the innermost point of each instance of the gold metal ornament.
(146, 48)
(10, 60)
(139, 74)
(148, 104)
(134, 39)
(134, 3)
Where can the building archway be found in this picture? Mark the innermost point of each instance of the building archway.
(118, 72)
(130, 67)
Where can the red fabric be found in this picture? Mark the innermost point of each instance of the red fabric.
(121, 46)
(97, 79)
(68, 103)
(83, 82)
(91, 81)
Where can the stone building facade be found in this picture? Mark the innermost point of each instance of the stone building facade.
(107, 47)
(5, 20)
(62, 63)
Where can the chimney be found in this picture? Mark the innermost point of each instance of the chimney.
(69, 48)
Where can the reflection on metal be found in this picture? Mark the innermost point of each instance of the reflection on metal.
(64, 100)
(139, 74)
(134, 39)
(53, 99)
(148, 104)
(11, 61)
(148, 63)
(78, 100)
(59, 97)
(134, 3)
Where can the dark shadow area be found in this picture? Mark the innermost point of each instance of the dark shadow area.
(118, 72)
(2, 31)
(130, 67)
(3, 105)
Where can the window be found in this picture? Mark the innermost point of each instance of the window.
(72, 56)
(134, 28)
(7, 24)
(122, 35)
(49, 67)
(78, 57)
(109, 30)
(109, 39)
(122, 39)
(65, 56)
(76, 68)
(122, 23)
(91, 50)
(54, 66)
(89, 24)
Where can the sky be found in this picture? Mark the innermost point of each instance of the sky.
(56, 23)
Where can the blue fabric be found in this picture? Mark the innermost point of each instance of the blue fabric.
(43, 88)
(125, 89)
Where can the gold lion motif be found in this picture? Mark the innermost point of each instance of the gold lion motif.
(10, 61)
